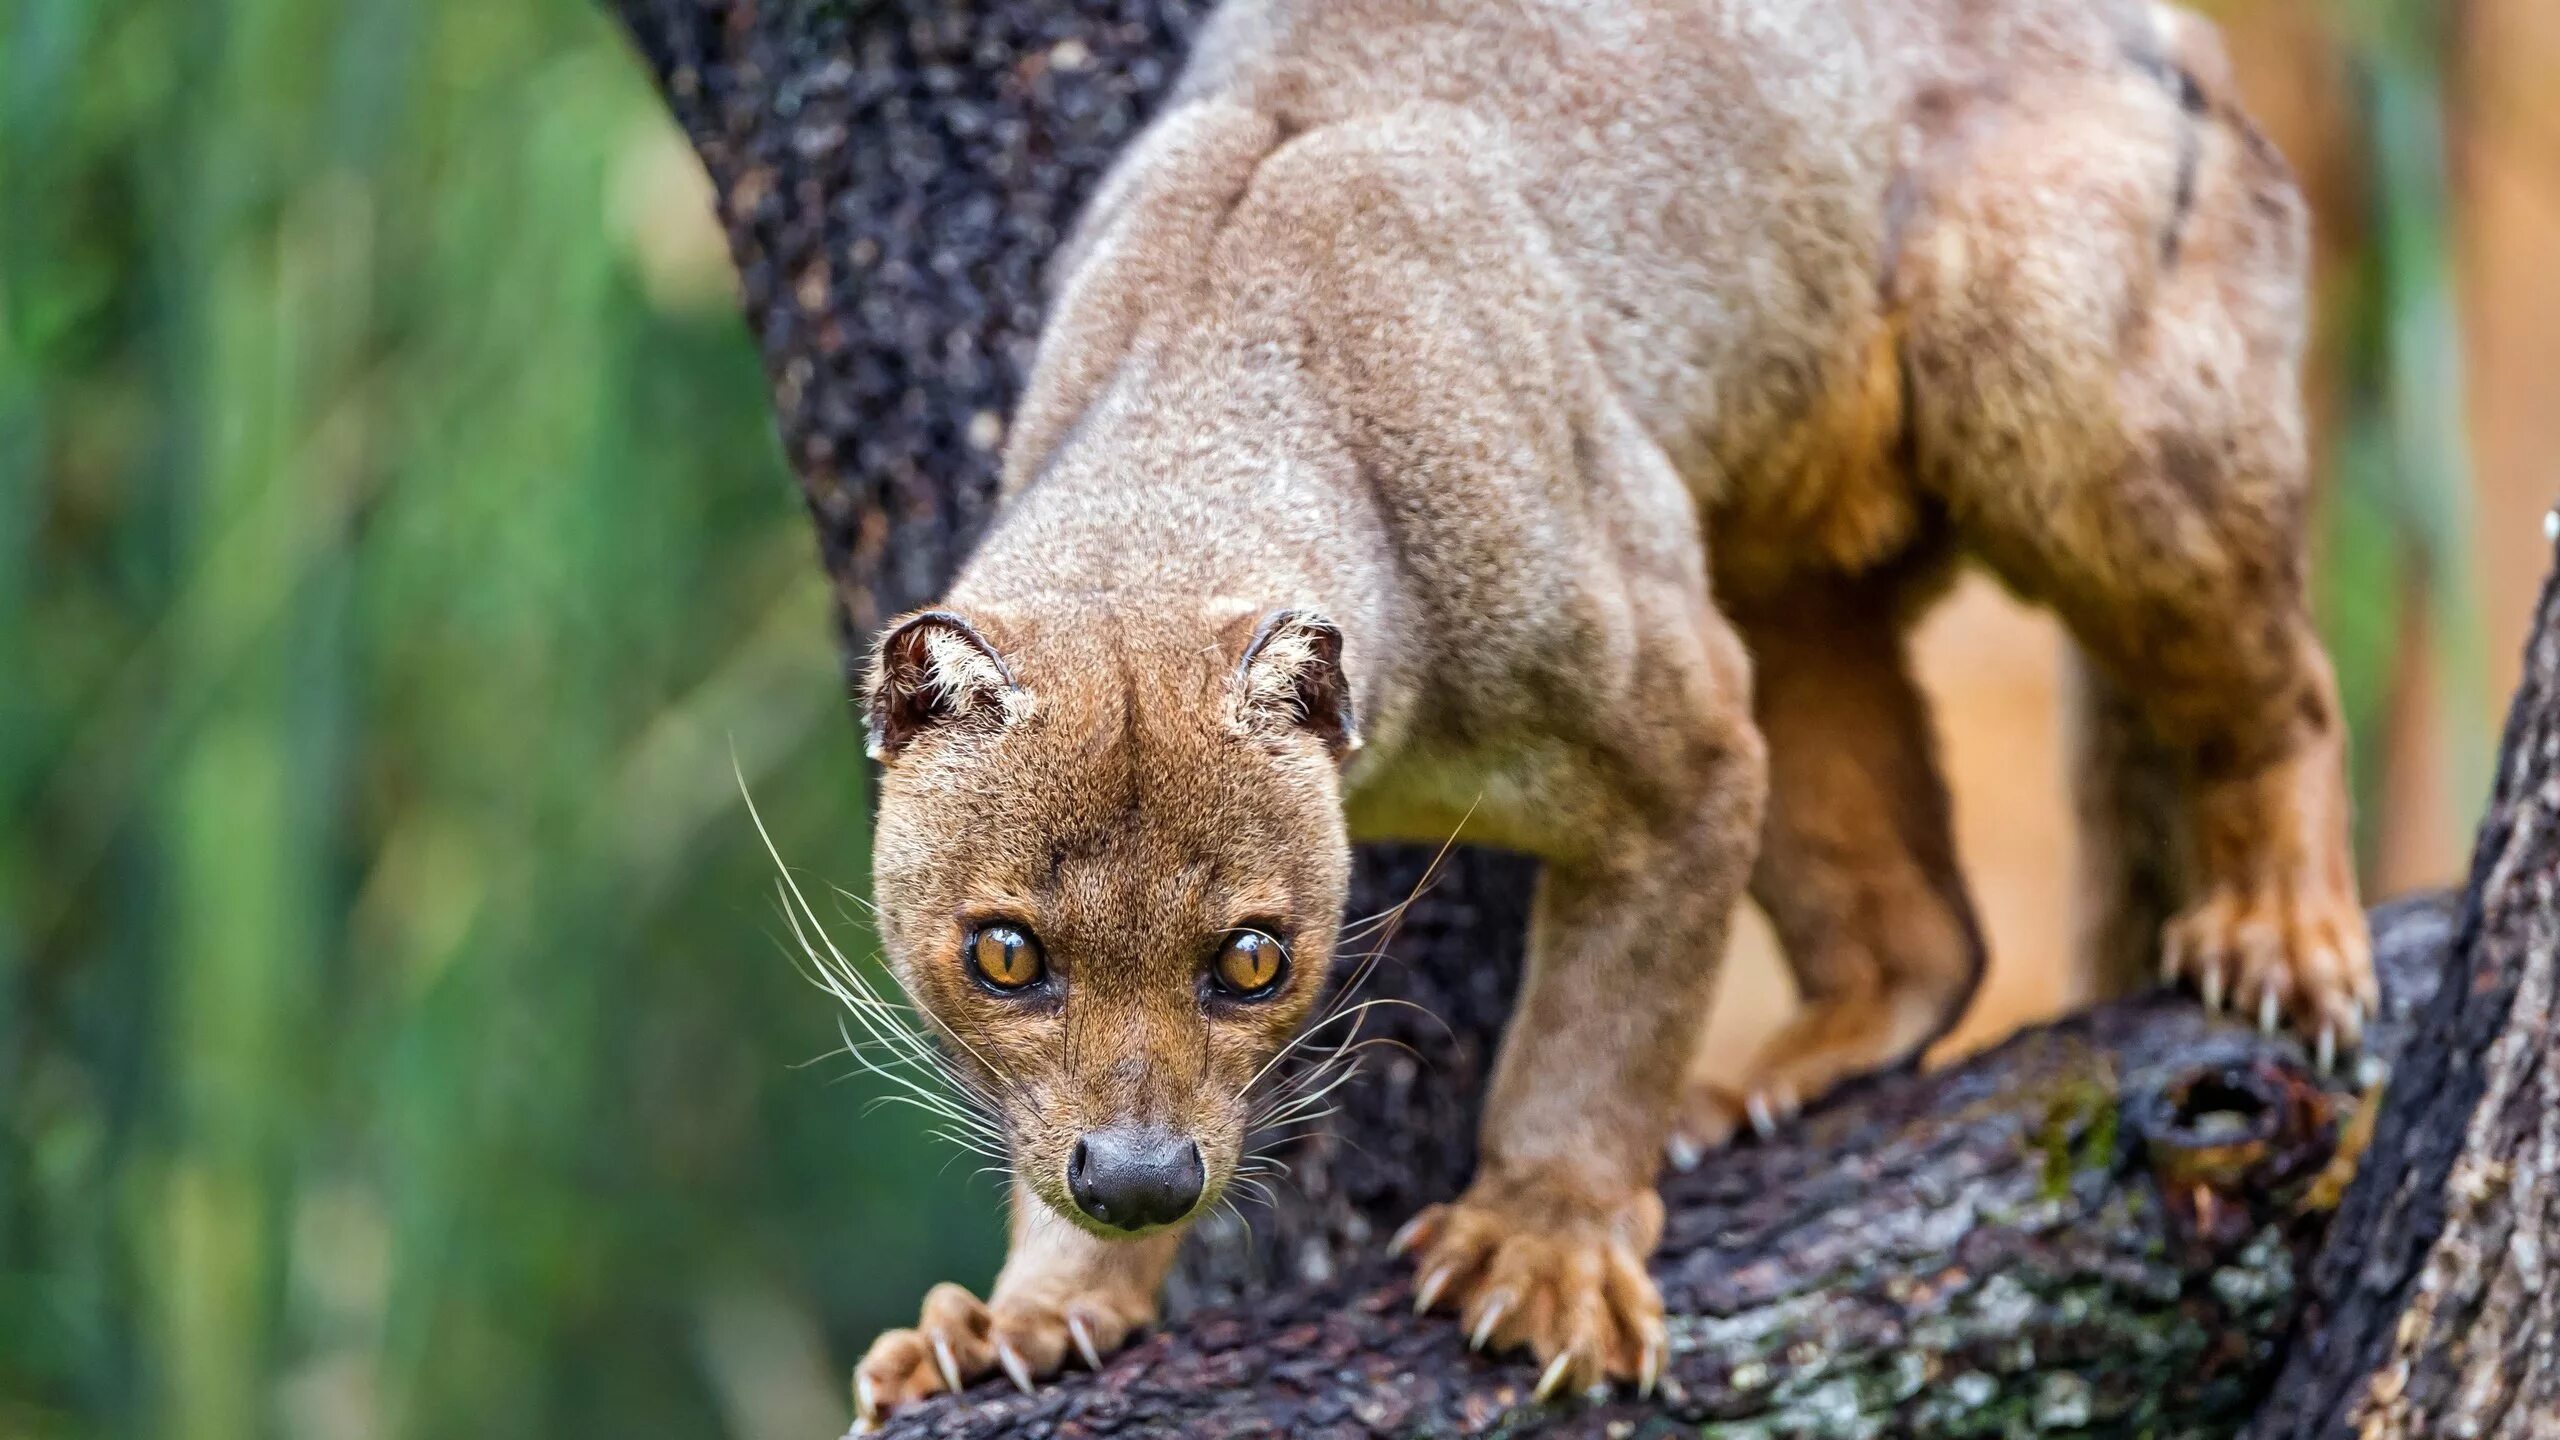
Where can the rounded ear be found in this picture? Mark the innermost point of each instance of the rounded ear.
(933, 668)
(1291, 677)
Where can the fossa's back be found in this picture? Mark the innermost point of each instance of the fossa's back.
(1724, 180)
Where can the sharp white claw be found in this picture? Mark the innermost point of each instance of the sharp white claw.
(1649, 1370)
(1405, 1236)
(943, 1361)
(1684, 1153)
(1014, 1369)
(1762, 1121)
(1494, 1309)
(2268, 1011)
(2328, 1050)
(1426, 1294)
(2212, 988)
(1553, 1380)
(866, 1406)
(1077, 1330)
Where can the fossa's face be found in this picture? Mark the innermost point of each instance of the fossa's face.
(1115, 899)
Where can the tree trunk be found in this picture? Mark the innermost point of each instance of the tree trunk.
(2097, 1226)
(2435, 1312)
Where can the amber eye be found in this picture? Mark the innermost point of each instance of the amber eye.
(1250, 965)
(1006, 957)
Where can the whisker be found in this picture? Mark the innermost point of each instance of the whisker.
(1333, 1061)
(1394, 914)
(885, 1020)
(973, 1123)
(911, 1080)
(843, 966)
(1340, 1077)
(919, 1080)
(889, 1024)
(855, 897)
(1275, 1132)
(965, 1143)
(892, 1047)
(1310, 1032)
(1268, 1161)
(1228, 1204)
(1385, 925)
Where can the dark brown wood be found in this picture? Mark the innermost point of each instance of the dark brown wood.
(2435, 1307)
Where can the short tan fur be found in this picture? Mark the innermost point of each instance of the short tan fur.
(1404, 386)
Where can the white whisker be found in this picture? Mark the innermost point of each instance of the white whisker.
(892, 1046)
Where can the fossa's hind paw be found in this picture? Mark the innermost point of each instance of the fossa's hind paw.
(1828, 1043)
(2276, 954)
(1714, 1116)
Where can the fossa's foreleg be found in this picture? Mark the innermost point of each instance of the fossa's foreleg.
(1547, 1247)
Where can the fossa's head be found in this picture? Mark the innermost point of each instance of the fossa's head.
(1109, 864)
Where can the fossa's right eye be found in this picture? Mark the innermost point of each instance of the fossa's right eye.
(1006, 957)
(1249, 966)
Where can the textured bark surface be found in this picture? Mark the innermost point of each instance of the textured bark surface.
(2434, 1308)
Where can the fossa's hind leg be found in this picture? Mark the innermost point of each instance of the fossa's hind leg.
(2101, 292)
(1857, 866)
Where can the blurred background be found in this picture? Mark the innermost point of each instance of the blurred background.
(395, 559)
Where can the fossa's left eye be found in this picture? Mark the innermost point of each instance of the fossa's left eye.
(1250, 965)
(1006, 957)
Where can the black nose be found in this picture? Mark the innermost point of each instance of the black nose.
(1135, 1178)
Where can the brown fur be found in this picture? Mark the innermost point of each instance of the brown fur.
(1399, 378)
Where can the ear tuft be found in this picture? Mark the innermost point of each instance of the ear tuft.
(1291, 677)
(932, 669)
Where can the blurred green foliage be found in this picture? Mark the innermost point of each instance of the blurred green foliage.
(395, 1038)
(2395, 549)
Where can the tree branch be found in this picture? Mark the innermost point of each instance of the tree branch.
(2097, 1225)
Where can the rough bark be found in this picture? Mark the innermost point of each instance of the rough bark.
(2098, 1226)
(2434, 1308)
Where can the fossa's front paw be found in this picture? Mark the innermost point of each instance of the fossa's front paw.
(960, 1340)
(2279, 951)
(1569, 1286)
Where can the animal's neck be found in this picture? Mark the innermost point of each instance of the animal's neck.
(1183, 502)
